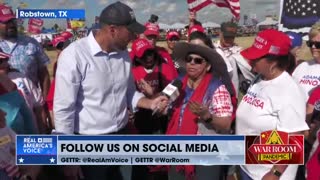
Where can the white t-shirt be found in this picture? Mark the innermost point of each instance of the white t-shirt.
(275, 104)
(31, 93)
(307, 74)
(229, 67)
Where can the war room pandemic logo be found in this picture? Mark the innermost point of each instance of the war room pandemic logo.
(275, 147)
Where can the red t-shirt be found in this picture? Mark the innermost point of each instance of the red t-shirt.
(168, 71)
(50, 95)
(313, 164)
(315, 96)
(167, 75)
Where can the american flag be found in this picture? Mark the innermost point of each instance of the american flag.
(233, 5)
(299, 15)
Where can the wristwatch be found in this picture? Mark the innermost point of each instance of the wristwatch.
(276, 172)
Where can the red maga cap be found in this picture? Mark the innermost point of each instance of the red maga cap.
(152, 29)
(57, 40)
(171, 34)
(6, 13)
(268, 41)
(139, 46)
(195, 28)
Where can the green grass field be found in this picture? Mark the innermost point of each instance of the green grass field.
(241, 41)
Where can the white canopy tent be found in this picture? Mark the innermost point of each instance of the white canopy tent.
(177, 26)
(164, 26)
(268, 21)
(211, 25)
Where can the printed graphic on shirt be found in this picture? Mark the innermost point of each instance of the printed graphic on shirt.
(252, 99)
(310, 80)
(23, 87)
(275, 147)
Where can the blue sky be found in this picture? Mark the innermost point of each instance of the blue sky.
(169, 11)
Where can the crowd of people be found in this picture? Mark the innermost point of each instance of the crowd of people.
(102, 87)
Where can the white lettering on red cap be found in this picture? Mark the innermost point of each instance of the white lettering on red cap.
(140, 45)
(6, 11)
(261, 40)
(153, 27)
(258, 45)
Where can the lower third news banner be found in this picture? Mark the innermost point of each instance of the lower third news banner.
(130, 150)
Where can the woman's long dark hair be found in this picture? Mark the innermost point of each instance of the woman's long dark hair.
(285, 63)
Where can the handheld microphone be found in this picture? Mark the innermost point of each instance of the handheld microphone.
(171, 91)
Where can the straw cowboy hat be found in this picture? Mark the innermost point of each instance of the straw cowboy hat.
(218, 65)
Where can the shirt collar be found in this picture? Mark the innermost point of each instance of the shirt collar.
(96, 48)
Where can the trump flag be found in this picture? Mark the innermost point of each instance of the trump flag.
(233, 5)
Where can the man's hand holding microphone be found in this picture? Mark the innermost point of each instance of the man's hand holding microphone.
(168, 95)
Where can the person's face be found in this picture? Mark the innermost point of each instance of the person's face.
(196, 66)
(4, 66)
(172, 42)
(2, 118)
(314, 45)
(226, 41)
(122, 37)
(9, 29)
(148, 59)
(152, 39)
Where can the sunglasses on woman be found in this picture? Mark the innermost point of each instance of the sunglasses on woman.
(196, 60)
(316, 44)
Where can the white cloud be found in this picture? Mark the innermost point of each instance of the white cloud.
(146, 11)
(162, 5)
(172, 7)
(132, 4)
(80, 4)
(103, 2)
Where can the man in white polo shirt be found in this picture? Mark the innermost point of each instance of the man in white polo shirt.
(94, 84)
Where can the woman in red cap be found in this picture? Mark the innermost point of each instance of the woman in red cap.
(274, 101)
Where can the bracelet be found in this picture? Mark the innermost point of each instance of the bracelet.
(276, 172)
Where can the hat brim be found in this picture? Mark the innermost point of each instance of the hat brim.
(136, 27)
(182, 49)
(253, 53)
(150, 32)
(6, 19)
(218, 65)
(169, 37)
(140, 53)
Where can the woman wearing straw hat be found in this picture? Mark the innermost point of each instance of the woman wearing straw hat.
(204, 105)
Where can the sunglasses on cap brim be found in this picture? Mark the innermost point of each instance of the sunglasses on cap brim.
(196, 60)
(316, 44)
